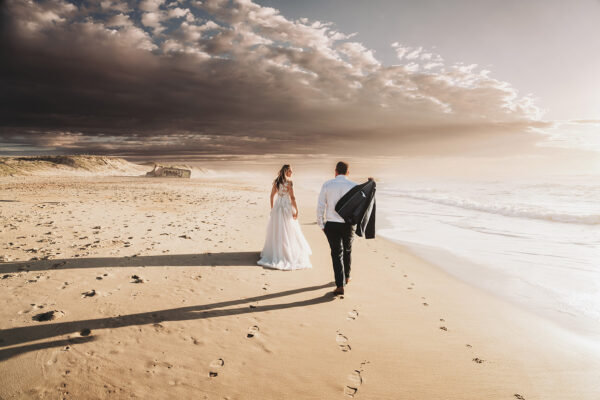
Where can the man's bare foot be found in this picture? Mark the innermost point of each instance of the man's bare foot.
(339, 290)
(348, 279)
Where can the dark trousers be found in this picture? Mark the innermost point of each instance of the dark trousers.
(340, 236)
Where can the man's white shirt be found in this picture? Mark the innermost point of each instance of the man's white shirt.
(331, 192)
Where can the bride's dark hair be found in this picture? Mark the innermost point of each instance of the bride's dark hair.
(281, 178)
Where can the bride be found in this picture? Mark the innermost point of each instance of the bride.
(285, 246)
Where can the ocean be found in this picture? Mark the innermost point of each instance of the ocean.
(535, 242)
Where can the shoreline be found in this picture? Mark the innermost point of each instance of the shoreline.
(405, 328)
(500, 277)
(440, 258)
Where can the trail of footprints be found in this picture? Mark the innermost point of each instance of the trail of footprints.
(216, 365)
(476, 360)
(350, 390)
(354, 380)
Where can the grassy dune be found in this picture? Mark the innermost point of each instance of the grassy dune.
(71, 165)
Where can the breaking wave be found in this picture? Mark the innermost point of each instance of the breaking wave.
(509, 210)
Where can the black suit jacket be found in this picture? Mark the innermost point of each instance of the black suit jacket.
(357, 207)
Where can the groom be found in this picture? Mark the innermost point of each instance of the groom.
(339, 233)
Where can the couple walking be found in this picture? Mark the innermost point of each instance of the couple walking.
(343, 206)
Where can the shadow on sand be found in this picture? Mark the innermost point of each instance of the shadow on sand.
(247, 258)
(19, 335)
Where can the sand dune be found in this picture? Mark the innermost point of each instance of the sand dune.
(69, 165)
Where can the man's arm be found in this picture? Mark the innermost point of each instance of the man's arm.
(321, 205)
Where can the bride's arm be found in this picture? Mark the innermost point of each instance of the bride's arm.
(293, 199)
(273, 192)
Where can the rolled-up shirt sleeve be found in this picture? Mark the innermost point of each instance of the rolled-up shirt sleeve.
(321, 207)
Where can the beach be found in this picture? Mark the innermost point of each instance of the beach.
(140, 142)
(150, 289)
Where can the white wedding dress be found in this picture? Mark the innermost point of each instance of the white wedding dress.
(285, 246)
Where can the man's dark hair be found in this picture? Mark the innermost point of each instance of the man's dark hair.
(341, 168)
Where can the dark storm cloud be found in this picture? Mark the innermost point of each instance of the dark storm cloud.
(179, 77)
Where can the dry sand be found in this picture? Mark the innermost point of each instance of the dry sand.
(155, 294)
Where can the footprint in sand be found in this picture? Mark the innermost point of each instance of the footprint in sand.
(354, 382)
(342, 341)
(91, 293)
(352, 315)
(137, 279)
(478, 360)
(215, 366)
(518, 396)
(252, 331)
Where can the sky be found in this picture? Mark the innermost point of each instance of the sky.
(183, 77)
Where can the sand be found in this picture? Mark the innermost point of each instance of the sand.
(117, 287)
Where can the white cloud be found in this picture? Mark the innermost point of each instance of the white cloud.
(432, 65)
(414, 54)
(359, 56)
(178, 12)
(119, 20)
(152, 20)
(150, 5)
